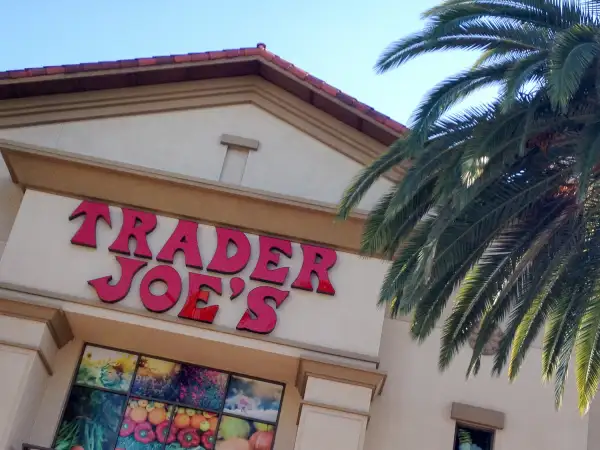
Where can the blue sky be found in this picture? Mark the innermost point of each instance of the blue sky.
(335, 40)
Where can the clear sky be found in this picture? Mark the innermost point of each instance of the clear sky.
(335, 40)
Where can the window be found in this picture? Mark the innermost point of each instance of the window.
(128, 401)
(467, 438)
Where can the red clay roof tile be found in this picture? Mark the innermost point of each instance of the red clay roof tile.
(53, 70)
(259, 51)
(182, 58)
(200, 56)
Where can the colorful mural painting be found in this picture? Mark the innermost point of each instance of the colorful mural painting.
(202, 388)
(118, 403)
(193, 429)
(237, 433)
(253, 399)
(105, 368)
(157, 378)
(90, 421)
(144, 424)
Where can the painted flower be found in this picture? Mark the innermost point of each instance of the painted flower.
(188, 438)
(144, 433)
(208, 440)
(127, 427)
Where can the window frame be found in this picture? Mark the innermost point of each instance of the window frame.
(128, 395)
(472, 427)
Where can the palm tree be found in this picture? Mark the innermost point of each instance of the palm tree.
(500, 208)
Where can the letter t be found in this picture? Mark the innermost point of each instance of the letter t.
(86, 235)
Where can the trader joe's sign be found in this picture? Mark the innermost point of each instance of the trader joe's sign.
(231, 256)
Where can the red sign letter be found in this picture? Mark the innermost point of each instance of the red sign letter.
(190, 310)
(136, 224)
(113, 293)
(163, 302)
(317, 260)
(268, 258)
(266, 317)
(221, 262)
(184, 238)
(86, 235)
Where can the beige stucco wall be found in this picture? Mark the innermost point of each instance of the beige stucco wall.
(414, 411)
(288, 161)
(39, 254)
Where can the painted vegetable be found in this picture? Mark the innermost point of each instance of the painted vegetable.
(127, 428)
(157, 416)
(182, 420)
(188, 438)
(144, 433)
(208, 440)
(200, 423)
(139, 414)
(163, 434)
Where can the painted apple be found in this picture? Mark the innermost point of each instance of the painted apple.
(234, 428)
(261, 440)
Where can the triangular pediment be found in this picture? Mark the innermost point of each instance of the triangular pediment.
(302, 152)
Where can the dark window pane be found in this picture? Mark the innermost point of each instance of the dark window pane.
(106, 368)
(253, 399)
(145, 425)
(192, 429)
(472, 439)
(157, 378)
(244, 433)
(91, 420)
(202, 388)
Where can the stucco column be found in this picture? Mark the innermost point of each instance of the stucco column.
(336, 400)
(28, 344)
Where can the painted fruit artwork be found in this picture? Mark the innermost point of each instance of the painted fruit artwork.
(145, 425)
(91, 420)
(202, 388)
(110, 369)
(242, 434)
(253, 399)
(157, 378)
(192, 429)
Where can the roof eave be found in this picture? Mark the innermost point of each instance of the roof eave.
(117, 75)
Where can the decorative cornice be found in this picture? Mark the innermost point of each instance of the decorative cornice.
(53, 171)
(334, 371)
(54, 318)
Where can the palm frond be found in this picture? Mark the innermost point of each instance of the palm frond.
(500, 206)
(572, 54)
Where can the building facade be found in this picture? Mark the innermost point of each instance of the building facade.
(172, 274)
